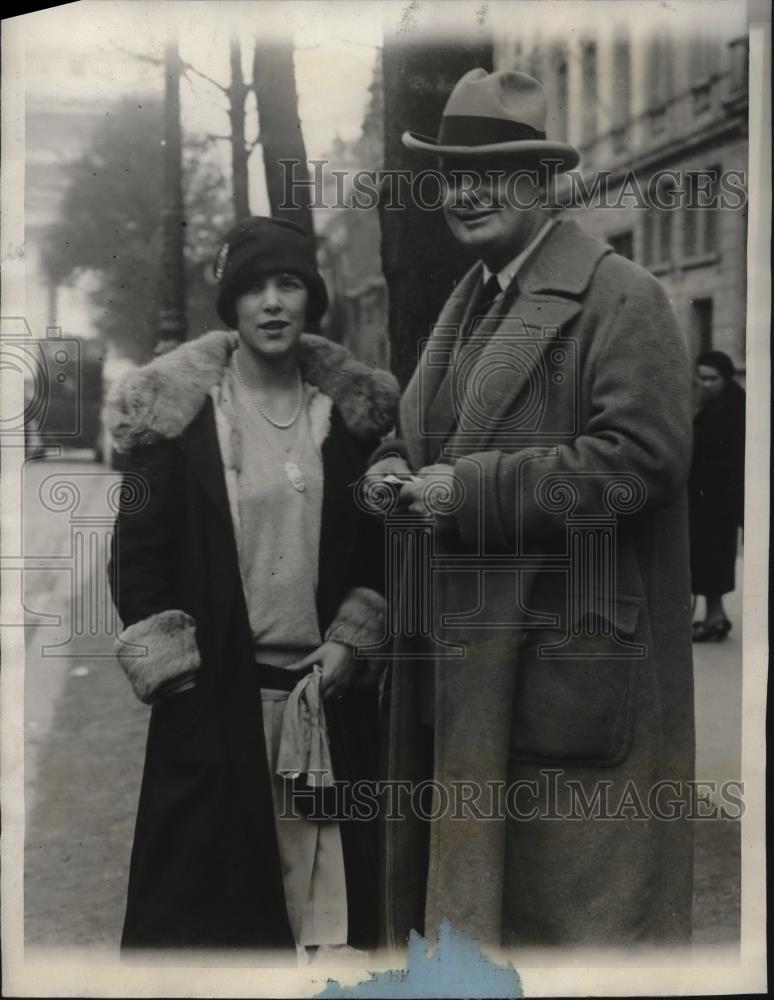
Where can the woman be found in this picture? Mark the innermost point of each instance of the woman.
(242, 569)
(716, 489)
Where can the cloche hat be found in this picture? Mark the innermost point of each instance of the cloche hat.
(261, 245)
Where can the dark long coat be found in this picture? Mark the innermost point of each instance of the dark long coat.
(716, 491)
(205, 869)
(573, 418)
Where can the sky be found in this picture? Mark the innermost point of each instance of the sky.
(93, 52)
(89, 50)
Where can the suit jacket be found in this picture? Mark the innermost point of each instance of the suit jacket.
(566, 584)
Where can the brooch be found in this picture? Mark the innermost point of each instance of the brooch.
(221, 261)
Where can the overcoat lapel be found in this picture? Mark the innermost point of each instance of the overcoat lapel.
(510, 363)
(426, 406)
(199, 444)
(520, 331)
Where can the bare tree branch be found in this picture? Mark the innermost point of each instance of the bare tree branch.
(142, 57)
(188, 67)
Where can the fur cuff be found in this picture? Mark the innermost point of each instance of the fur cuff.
(170, 653)
(360, 619)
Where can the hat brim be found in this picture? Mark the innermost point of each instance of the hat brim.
(567, 155)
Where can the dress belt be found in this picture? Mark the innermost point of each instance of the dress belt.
(278, 678)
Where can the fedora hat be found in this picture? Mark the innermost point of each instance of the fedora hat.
(494, 114)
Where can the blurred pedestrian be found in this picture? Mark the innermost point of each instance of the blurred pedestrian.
(245, 580)
(716, 489)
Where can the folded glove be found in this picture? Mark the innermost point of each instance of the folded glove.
(303, 748)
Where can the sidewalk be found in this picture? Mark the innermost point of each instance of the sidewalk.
(717, 668)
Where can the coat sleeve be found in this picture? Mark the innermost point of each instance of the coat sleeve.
(638, 385)
(360, 619)
(389, 447)
(157, 648)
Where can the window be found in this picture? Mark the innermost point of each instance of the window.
(659, 81)
(703, 59)
(623, 243)
(590, 90)
(657, 237)
(664, 234)
(738, 56)
(622, 81)
(648, 256)
(700, 214)
(690, 229)
(534, 64)
(562, 97)
(701, 324)
(621, 92)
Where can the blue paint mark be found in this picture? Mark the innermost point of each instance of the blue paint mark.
(456, 969)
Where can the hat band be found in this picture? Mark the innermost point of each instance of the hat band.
(476, 130)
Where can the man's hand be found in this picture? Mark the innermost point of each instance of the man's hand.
(338, 667)
(437, 481)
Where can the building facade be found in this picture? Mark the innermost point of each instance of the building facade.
(349, 241)
(663, 111)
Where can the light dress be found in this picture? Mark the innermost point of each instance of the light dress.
(279, 538)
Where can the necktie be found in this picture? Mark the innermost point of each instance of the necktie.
(488, 293)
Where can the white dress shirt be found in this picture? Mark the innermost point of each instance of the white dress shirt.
(508, 273)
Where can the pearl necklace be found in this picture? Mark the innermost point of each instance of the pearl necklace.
(279, 424)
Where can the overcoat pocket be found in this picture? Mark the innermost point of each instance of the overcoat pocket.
(575, 685)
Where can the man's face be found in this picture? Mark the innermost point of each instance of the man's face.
(710, 382)
(491, 207)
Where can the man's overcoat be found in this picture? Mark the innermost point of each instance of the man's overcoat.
(569, 430)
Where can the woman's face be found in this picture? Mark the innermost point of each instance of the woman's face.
(710, 382)
(271, 315)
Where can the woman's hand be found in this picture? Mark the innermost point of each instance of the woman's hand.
(338, 667)
(390, 465)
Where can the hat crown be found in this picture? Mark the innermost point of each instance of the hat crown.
(496, 114)
(505, 94)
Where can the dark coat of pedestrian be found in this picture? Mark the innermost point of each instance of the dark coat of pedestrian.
(716, 483)
(206, 863)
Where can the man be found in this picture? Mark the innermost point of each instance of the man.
(552, 401)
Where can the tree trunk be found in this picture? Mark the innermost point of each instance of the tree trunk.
(274, 81)
(237, 94)
(173, 324)
(420, 259)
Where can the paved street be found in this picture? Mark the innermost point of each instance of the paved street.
(85, 730)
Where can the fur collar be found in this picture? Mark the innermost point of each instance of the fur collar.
(159, 400)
